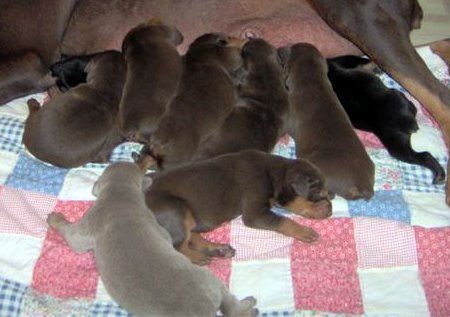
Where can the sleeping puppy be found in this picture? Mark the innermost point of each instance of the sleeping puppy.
(206, 96)
(257, 119)
(135, 258)
(153, 73)
(322, 132)
(203, 195)
(371, 106)
(79, 126)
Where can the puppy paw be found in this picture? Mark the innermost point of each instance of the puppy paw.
(439, 177)
(308, 235)
(224, 251)
(321, 210)
(55, 220)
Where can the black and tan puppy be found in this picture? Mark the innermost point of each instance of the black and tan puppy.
(71, 71)
(322, 132)
(257, 120)
(206, 96)
(371, 106)
(79, 126)
(202, 195)
(153, 73)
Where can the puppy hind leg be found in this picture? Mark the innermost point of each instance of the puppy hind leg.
(77, 235)
(399, 146)
(197, 242)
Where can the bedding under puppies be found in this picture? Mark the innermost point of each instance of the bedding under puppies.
(206, 96)
(321, 129)
(373, 107)
(201, 196)
(153, 72)
(135, 258)
(79, 126)
(257, 120)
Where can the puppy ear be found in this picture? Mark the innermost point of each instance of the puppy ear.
(96, 189)
(147, 181)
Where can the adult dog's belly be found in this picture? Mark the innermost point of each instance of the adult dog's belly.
(97, 25)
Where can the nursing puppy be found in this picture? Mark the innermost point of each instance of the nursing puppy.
(71, 71)
(202, 195)
(322, 132)
(153, 73)
(206, 96)
(371, 106)
(256, 121)
(135, 258)
(79, 126)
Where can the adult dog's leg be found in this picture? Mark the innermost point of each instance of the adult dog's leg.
(381, 28)
(22, 74)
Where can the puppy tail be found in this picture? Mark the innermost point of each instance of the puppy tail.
(33, 105)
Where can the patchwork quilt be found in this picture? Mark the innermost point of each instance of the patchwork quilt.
(386, 257)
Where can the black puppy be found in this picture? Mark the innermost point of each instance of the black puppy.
(373, 107)
(70, 71)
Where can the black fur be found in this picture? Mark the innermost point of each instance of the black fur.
(70, 71)
(373, 107)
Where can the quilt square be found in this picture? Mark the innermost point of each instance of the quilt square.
(11, 130)
(285, 147)
(324, 272)
(387, 173)
(121, 153)
(11, 294)
(263, 279)
(33, 175)
(382, 243)
(8, 161)
(78, 184)
(419, 179)
(427, 209)
(252, 244)
(107, 309)
(385, 204)
(433, 246)
(393, 292)
(369, 139)
(23, 212)
(59, 271)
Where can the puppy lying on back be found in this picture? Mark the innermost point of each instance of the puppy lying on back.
(135, 257)
(371, 106)
(322, 131)
(257, 119)
(202, 195)
(79, 126)
(153, 73)
(206, 96)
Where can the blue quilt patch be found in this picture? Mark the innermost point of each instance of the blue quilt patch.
(11, 131)
(32, 175)
(386, 204)
(11, 294)
(417, 178)
(108, 309)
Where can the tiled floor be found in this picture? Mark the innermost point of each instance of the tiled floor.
(435, 24)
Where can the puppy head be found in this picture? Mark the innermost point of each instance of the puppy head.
(301, 60)
(216, 48)
(257, 51)
(119, 173)
(304, 189)
(153, 30)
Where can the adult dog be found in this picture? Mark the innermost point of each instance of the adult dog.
(97, 25)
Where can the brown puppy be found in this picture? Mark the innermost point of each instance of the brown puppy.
(205, 97)
(202, 195)
(320, 127)
(257, 120)
(153, 73)
(79, 126)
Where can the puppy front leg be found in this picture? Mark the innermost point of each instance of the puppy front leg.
(75, 234)
(265, 219)
(209, 248)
